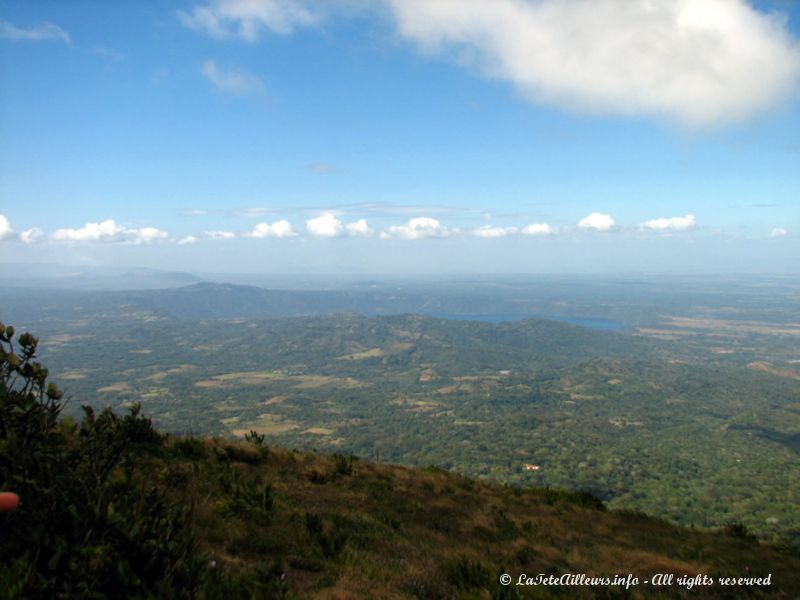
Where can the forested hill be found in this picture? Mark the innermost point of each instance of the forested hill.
(206, 300)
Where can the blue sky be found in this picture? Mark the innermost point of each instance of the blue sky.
(402, 136)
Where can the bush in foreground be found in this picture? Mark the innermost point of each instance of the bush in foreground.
(90, 524)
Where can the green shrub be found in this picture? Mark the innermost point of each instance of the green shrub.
(344, 464)
(247, 497)
(91, 523)
(317, 476)
(255, 438)
(242, 453)
(739, 530)
(313, 524)
(190, 448)
(266, 580)
(331, 537)
(466, 574)
(505, 526)
(582, 498)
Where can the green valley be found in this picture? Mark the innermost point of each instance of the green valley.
(675, 429)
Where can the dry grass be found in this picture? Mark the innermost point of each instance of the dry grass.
(402, 528)
(75, 374)
(313, 382)
(371, 353)
(121, 386)
(179, 370)
(733, 326)
(320, 431)
(268, 424)
(773, 370)
(275, 400)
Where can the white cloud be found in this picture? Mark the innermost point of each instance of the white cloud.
(5, 228)
(537, 229)
(669, 224)
(490, 232)
(39, 33)
(231, 81)
(31, 236)
(246, 19)
(326, 225)
(702, 62)
(359, 228)
(417, 229)
(778, 232)
(219, 235)
(278, 229)
(109, 231)
(207, 235)
(597, 222)
(145, 235)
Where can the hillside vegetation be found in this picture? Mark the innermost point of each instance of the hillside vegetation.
(111, 508)
(676, 431)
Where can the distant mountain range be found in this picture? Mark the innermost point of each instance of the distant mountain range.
(48, 276)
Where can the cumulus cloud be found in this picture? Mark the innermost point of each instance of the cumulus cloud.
(5, 228)
(31, 236)
(328, 226)
(145, 235)
(246, 19)
(537, 229)
(596, 222)
(669, 224)
(778, 232)
(702, 62)
(278, 229)
(105, 231)
(40, 33)
(207, 235)
(109, 231)
(490, 232)
(359, 228)
(231, 81)
(417, 229)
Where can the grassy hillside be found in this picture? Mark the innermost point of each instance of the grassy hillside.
(340, 528)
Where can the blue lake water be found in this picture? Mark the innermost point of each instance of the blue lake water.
(588, 322)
